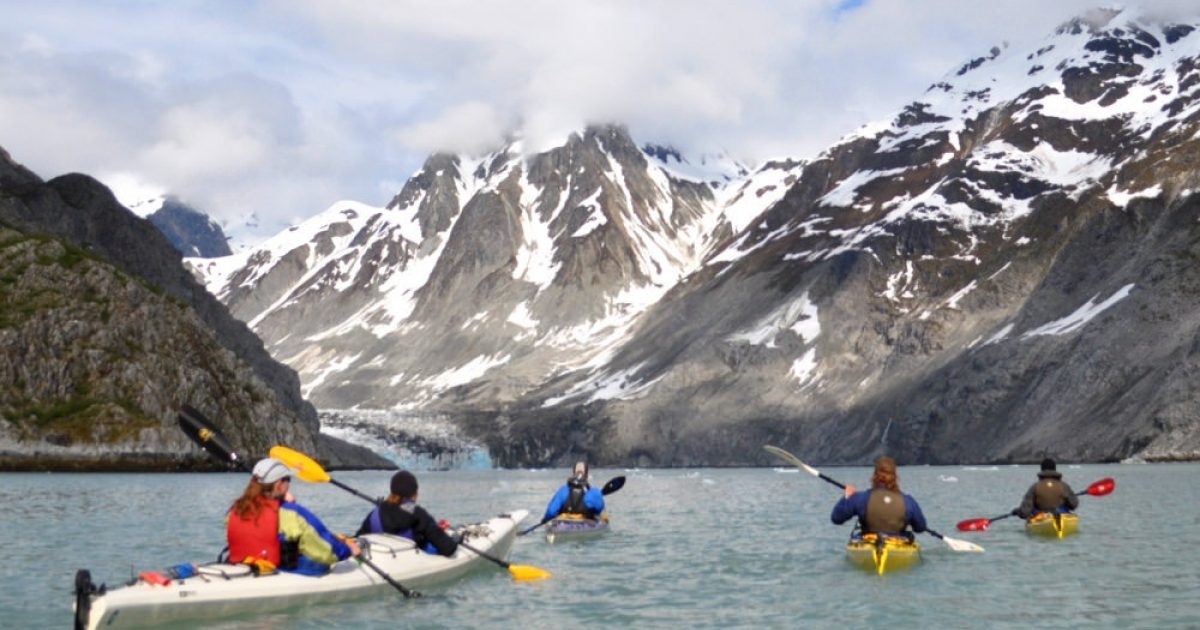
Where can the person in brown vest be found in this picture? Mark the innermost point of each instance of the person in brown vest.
(1049, 494)
(883, 509)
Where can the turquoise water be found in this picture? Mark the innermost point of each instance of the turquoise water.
(689, 548)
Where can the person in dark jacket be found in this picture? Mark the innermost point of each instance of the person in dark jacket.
(576, 497)
(1049, 494)
(399, 514)
(883, 509)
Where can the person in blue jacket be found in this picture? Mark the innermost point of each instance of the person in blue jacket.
(576, 497)
(883, 509)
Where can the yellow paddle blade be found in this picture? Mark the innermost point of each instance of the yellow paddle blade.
(524, 573)
(306, 468)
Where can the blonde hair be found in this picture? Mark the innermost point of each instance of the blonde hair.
(885, 474)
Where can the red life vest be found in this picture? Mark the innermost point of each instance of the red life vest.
(258, 538)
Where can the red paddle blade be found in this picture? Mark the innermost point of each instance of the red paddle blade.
(974, 525)
(1102, 487)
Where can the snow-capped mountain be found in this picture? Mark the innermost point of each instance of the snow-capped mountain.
(1005, 269)
(528, 266)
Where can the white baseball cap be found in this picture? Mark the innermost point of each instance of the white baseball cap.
(270, 470)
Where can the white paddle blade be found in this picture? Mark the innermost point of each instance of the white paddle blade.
(962, 545)
(791, 459)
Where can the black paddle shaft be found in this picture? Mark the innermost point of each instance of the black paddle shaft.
(201, 431)
(832, 480)
(354, 492)
(383, 574)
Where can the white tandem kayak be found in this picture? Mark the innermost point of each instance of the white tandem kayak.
(222, 590)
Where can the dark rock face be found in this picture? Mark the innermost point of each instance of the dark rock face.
(190, 231)
(1005, 271)
(106, 334)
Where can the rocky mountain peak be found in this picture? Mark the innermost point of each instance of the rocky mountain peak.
(928, 286)
(191, 232)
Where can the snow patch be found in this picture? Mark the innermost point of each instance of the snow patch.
(1081, 316)
(1122, 198)
(464, 374)
(804, 368)
(800, 316)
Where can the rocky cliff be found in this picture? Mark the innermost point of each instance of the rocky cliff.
(103, 334)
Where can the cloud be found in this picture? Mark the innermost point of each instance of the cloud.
(472, 127)
(280, 108)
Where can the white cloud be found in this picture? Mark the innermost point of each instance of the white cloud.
(472, 127)
(279, 108)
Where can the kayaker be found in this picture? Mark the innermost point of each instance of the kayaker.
(265, 527)
(883, 509)
(576, 497)
(399, 514)
(1048, 494)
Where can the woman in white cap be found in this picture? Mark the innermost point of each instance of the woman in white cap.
(268, 529)
(576, 497)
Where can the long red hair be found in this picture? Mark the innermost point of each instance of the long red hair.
(885, 474)
(251, 502)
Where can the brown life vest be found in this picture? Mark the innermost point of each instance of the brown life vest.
(885, 512)
(1049, 495)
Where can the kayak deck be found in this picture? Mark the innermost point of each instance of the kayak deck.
(866, 552)
(1052, 525)
(221, 590)
(566, 527)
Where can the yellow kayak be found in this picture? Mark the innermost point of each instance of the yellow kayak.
(1052, 525)
(895, 553)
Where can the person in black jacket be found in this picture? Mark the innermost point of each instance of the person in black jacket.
(1049, 494)
(399, 514)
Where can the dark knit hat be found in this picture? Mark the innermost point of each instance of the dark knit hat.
(1048, 464)
(404, 485)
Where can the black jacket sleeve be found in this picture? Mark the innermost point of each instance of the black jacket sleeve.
(426, 530)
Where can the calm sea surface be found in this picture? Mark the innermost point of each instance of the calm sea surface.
(689, 548)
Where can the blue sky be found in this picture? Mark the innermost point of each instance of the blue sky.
(278, 109)
(850, 5)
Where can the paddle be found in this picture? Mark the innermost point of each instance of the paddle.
(307, 469)
(312, 472)
(614, 484)
(208, 437)
(954, 543)
(1098, 489)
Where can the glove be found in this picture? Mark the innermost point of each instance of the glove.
(1016, 512)
(443, 524)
